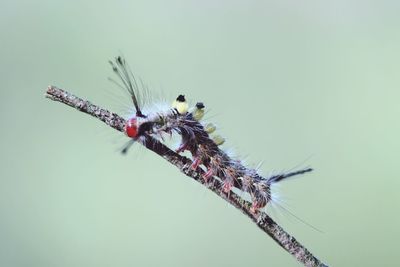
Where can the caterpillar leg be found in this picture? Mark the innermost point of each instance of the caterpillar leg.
(182, 147)
(188, 138)
(209, 173)
(231, 176)
(256, 206)
(260, 195)
(259, 199)
(196, 162)
(227, 185)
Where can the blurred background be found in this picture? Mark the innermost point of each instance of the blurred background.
(289, 83)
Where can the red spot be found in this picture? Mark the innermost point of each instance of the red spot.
(131, 128)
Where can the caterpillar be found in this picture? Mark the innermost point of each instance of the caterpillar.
(196, 137)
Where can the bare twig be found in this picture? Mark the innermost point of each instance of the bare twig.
(263, 221)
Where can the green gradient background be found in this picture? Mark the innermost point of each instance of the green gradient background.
(284, 80)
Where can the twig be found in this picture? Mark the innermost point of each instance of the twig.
(263, 221)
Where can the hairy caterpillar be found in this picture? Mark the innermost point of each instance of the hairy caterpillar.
(197, 139)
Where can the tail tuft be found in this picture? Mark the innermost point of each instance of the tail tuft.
(280, 177)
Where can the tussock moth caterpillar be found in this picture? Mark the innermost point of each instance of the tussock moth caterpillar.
(198, 138)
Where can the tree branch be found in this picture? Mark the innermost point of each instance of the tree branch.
(262, 220)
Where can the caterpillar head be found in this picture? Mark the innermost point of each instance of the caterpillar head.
(132, 128)
(136, 127)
